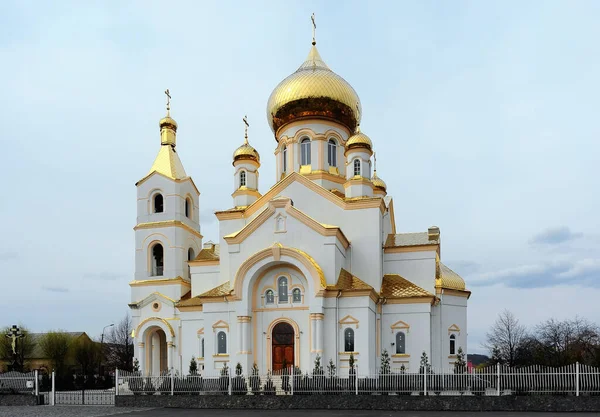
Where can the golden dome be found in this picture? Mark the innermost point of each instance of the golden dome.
(246, 152)
(378, 182)
(168, 122)
(313, 91)
(359, 140)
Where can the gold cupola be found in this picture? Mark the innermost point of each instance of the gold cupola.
(246, 151)
(313, 91)
(378, 183)
(359, 140)
(168, 125)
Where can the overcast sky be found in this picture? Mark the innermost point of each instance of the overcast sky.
(484, 116)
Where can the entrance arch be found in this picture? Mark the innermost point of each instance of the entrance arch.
(156, 352)
(278, 342)
(282, 339)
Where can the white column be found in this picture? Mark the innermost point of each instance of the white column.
(142, 358)
(170, 347)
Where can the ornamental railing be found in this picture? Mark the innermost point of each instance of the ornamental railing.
(496, 380)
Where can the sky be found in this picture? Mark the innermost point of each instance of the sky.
(484, 117)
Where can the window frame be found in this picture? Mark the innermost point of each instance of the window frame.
(284, 156)
(452, 344)
(296, 291)
(219, 333)
(283, 298)
(356, 165)
(157, 270)
(332, 153)
(272, 294)
(305, 151)
(400, 342)
(187, 208)
(242, 178)
(162, 203)
(348, 331)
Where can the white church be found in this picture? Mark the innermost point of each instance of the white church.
(314, 266)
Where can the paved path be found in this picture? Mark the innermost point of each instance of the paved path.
(101, 411)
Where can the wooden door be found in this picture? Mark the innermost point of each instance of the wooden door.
(283, 346)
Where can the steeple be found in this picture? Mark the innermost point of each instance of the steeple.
(246, 162)
(167, 161)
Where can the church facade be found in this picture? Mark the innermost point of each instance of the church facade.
(314, 266)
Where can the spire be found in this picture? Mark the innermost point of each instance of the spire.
(314, 42)
(168, 126)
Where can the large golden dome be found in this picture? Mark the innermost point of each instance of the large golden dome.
(313, 91)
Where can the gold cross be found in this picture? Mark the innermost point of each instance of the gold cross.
(168, 94)
(245, 119)
(314, 28)
(374, 162)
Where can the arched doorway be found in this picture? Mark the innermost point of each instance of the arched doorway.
(283, 346)
(156, 356)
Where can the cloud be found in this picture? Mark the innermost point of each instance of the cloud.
(463, 267)
(104, 276)
(55, 289)
(585, 272)
(554, 236)
(8, 255)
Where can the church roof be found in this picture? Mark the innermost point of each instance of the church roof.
(395, 286)
(167, 163)
(346, 281)
(211, 253)
(410, 239)
(447, 278)
(219, 291)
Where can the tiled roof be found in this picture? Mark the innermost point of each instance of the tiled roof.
(447, 278)
(347, 281)
(209, 254)
(410, 239)
(220, 291)
(394, 286)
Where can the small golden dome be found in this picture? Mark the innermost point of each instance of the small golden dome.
(313, 91)
(378, 182)
(359, 140)
(168, 122)
(246, 152)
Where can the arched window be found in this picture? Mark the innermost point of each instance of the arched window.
(348, 340)
(296, 295)
(157, 260)
(400, 343)
(243, 179)
(188, 208)
(284, 158)
(158, 203)
(305, 151)
(332, 153)
(282, 284)
(191, 254)
(357, 167)
(452, 344)
(269, 297)
(221, 343)
(202, 348)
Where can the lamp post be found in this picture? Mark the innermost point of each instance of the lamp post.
(102, 347)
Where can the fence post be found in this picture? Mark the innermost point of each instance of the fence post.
(425, 380)
(577, 379)
(37, 385)
(356, 380)
(292, 381)
(498, 379)
(53, 393)
(116, 381)
(172, 380)
(229, 376)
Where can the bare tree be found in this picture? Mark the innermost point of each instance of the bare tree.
(568, 341)
(86, 353)
(118, 345)
(506, 335)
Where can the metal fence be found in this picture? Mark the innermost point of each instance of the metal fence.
(575, 379)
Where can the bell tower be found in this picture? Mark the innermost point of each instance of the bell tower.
(167, 233)
(246, 162)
